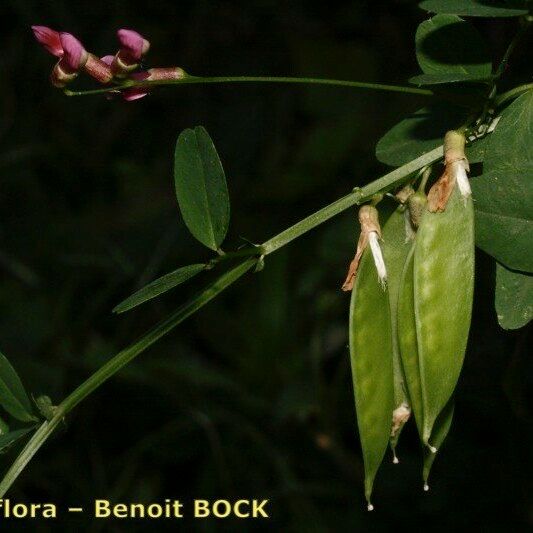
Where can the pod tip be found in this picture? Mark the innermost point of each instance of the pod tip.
(432, 449)
(426, 487)
(395, 460)
(369, 507)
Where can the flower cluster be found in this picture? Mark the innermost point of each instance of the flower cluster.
(121, 68)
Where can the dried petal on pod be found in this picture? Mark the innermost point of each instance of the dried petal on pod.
(400, 416)
(460, 169)
(378, 258)
(440, 192)
(370, 233)
(455, 171)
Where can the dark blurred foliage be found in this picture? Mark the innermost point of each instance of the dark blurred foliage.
(252, 397)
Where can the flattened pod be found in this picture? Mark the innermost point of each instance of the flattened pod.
(407, 341)
(440, 431)
(371, 359)
(443, 276)
(395, 251)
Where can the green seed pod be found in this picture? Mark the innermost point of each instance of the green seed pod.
(407, 341)
(443, 283)
(440, 431)
(395, 252)
(372, 366)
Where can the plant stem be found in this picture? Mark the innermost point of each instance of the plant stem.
(522, 30)
(190, 80)
(512, 93)
(357, 196)
(423, 182)
(244, 252)
(115, 364)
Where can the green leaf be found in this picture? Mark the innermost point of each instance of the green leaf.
(476, 150)
(445, 77)
(201, 187)
(504, 193)
(511, 141)
(422, 132)
(13, 397)
(159, 286)
(472, 8)
(449, 49)
(4, 428)
(514, 297)
(8, 439)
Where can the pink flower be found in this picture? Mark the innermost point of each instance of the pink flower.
(74, 54)
(74, 58)
(64, 45)
(49, 39)
(133, 46)
(128, 94)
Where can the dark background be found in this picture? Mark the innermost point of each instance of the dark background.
(251, 397)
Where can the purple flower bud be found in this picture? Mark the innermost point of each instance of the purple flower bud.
(133, 45)
(74, 54)
(49, 39)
